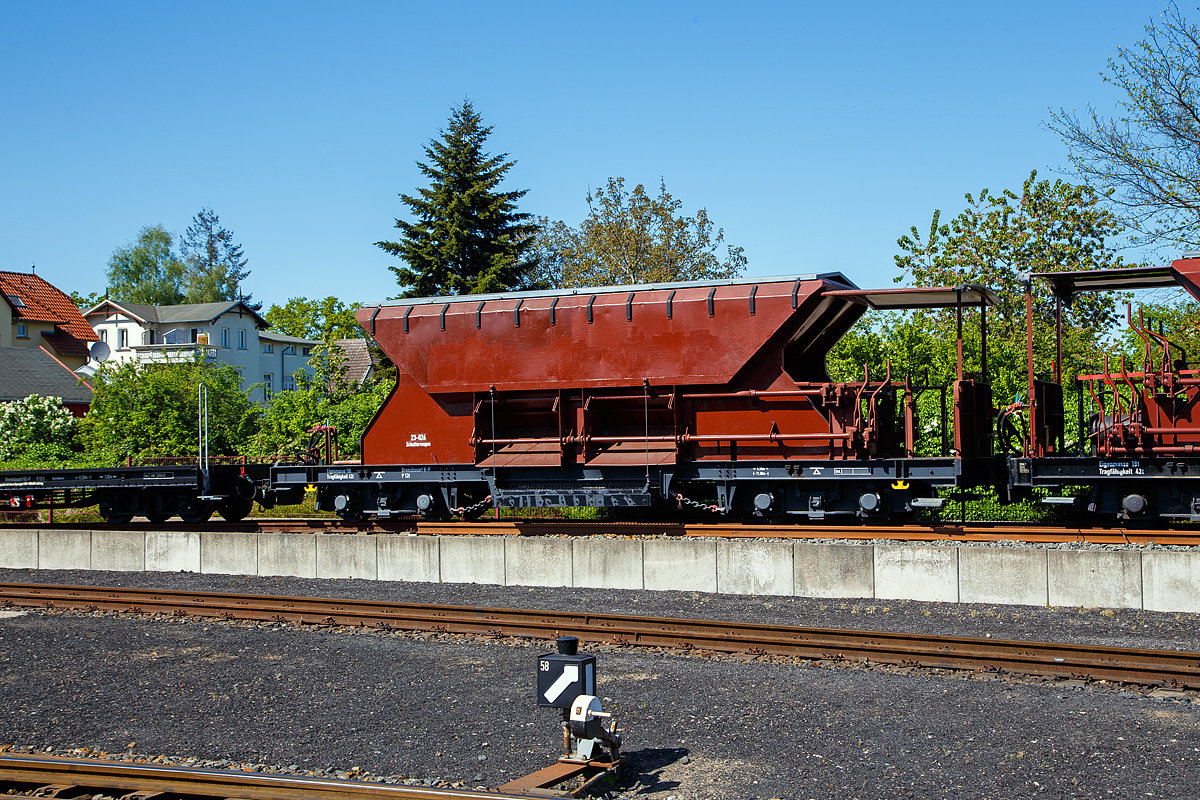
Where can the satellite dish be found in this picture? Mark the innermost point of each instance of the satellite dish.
(99, 351)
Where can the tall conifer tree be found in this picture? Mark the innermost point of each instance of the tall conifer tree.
(216, 265)
(466, 237)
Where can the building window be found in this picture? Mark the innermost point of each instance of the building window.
(267, 347)
(290, 350)
(103, 335)
(16, 301)
(241, 340)
(267, 385)
(306, 351)
(289, 382)
(122, 338)
(22, 330)
(195, 335)
(225, 337)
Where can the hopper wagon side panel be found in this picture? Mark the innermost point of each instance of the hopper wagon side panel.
(666, 336)
(570, 375)
(414, 428)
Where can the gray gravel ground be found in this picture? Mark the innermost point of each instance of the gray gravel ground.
(455, 708)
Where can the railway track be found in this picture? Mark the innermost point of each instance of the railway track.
(1178, 669)
(83, 779)
(978, 532)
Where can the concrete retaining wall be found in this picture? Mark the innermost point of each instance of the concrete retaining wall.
(1156, 580)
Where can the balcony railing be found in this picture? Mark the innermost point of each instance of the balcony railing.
(176, 353)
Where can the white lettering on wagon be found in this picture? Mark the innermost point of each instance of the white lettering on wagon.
(1121, 468)
(340, 475)
(417, 440)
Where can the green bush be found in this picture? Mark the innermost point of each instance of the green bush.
(36, 424)
(284, 429)
(151, 410)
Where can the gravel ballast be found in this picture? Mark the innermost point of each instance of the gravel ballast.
(460, 710)
(455, 710)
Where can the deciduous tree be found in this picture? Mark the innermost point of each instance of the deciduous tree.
(466, 236)
(147, 270)
(323, 319)
(629, 237)
(1148, 154)
(86, 301)
(1047, 227)
(290, 416)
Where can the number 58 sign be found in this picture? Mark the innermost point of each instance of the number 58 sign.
(562, 678)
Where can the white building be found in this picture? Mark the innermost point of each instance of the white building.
(227, 333)
(280, 358)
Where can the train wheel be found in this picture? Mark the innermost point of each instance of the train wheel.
(197, 513)
(234, 509)
(113, 510)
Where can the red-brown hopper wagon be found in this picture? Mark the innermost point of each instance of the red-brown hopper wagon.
(711, 394)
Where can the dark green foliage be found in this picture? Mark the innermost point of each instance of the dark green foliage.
(151, 410)
(913, 347)
(466, 237)
(57, 456)
(215, 264)
(147, 270)
(320, 398)
(988, 508)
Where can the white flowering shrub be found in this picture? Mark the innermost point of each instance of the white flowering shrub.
(34, 421)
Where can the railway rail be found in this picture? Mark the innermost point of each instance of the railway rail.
(82, 779)
(1178, 669)
(1188, 536)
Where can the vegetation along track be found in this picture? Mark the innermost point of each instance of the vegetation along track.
(1088, 662)
(82, 779)
(939, 532)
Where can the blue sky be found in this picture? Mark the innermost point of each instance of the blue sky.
(815, 134)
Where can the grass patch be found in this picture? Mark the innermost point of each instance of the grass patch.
(306, 509)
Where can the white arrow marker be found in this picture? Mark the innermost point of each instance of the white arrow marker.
(570, 674)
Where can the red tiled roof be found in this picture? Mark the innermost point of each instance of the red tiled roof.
(65, 344)
(44, 303)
